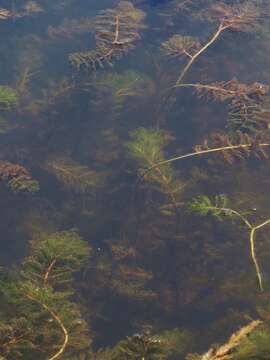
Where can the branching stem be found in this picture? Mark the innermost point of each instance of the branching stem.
(220, 29)
(252, 229)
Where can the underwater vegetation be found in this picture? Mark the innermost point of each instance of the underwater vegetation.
(47, 322)
(236, 18)
(8, 98)
(116, 31)
(17, 178)
(146, 148)
(134, 180)
(74, 176)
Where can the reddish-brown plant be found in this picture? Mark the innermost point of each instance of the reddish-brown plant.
(17, 177)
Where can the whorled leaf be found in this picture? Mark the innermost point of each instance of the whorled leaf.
(116, 32)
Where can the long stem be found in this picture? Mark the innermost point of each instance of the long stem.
(61, 325)
(221, 28)
(253, 253)
(64, 331)
(201, 152)
(208, 87)
(253, 229)
(116, 36)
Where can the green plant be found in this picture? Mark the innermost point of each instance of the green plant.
(74, 176)
(41, 321)
(8, 98)
(147, 148)
(114, 271)
(118, 87)
(254, 347)
(57, 258)
(231, 348)
(237, 146)
(220, 209)
(145, 346)
(140, 347)
(169, 344)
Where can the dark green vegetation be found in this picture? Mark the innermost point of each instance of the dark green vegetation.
(134, 173)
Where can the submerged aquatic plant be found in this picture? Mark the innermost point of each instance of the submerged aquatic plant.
(17, 178)
(231, 147)
(116, 32)
(145, 345)
(127, 83)
(74, 176)
(240, 18)
(230, 349)
(147, 148)
(114, 270)
(8, 98)
(221, 209)
(141, 346)
(178, 46)
(56, 258)
(248, 104)
(237, 146)
(117, 88)
(45, 322)
(255, 346)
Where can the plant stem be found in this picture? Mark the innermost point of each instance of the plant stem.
(221, 28)
(253, 229)
(47, 273)
(201, 152)
(208, 87)
(167, 186)
(225, 210)
(253, 254)
(64, 331)
(59, 322)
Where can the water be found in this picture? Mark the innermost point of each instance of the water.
(177, 270)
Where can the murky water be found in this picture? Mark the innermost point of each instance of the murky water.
(154, 262)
